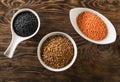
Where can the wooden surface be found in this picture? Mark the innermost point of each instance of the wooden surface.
(95, 63)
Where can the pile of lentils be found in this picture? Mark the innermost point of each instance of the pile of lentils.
(25, 24)
(57, 51)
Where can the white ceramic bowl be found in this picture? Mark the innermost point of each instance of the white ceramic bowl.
(44, 39)
(111, 36)
(16, 39)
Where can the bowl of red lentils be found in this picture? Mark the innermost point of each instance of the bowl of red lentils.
(92, 26)
(57, 51)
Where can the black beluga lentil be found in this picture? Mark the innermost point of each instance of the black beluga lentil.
(25, 24)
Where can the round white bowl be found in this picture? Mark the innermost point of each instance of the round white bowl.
(44, 39)
(111, 36)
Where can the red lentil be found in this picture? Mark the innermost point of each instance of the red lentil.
(92, 26)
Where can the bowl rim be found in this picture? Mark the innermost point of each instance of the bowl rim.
(44, 39)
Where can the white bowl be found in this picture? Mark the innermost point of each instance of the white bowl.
(44, 39)
(111, 36)
(16, 39)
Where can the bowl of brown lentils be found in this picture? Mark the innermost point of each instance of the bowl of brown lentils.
(57, 51)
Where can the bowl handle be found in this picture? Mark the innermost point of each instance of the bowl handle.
(11, 48)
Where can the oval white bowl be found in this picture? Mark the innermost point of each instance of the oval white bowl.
(53, 34)
(111, 36)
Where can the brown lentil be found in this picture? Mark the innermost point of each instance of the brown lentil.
(57, 51)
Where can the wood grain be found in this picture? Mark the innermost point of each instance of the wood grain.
(95, 63)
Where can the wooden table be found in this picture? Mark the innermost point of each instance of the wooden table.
(95, 63)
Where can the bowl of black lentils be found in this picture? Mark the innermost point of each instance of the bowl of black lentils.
(57, 51)
(25, 24)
